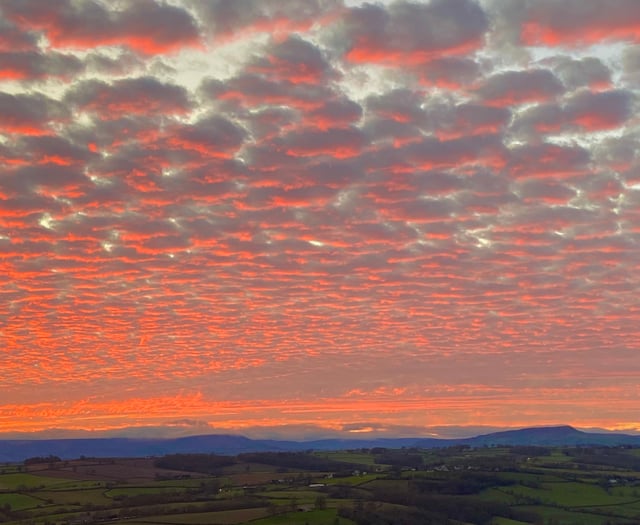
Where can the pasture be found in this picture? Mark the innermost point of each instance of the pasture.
(457, 486)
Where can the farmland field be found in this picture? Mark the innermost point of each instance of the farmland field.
(456, 486)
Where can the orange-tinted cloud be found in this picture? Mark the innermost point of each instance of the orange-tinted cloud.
(147, 27)
(574, 23)
(242, 18)
(30, 65)
(29, 114)
(518, 87)
(143, 95)
(407, 34)
(298, 236)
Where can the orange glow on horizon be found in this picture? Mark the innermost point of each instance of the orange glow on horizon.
(392, 215)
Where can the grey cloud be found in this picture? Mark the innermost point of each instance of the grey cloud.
(619, 153)
(215, 133)
(116, 131)
(382, 129)
(46, 148)
(485, 182)
(29, 112)
(228, 17)
(270, 121)
(485, 202)
(583, 111)
(340, 111)
(294, 59)
(466, 119)
(27, 205)
(539, 119)
(167, 242)
(452, 152)
(130, 95)
(575, 16)
(555, 218)
(427, 210)
(54, 177)
(403, 105)
(604, 188)
(124, 63)
(15, 40)
(161, 24)
(438, 182)
(450, 72)
(413, 27)
(631, 65)
(145, 25)
(584, 72)
(331, 142)
(268, 157)
(334, 172)
(515, 87)
(32, 65)
(211, 88)
(546, 191)
(543, 160)
(252, 90)
(610, 108)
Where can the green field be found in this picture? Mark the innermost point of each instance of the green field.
(222, 517)
(28, 481)
(457, 486)
(363, 459)
(18, 501)
(314, 517)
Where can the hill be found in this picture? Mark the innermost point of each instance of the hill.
(18, 450)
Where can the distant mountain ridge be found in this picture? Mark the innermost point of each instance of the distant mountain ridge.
(18, 450)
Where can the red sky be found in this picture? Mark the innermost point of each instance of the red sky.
(308, 216)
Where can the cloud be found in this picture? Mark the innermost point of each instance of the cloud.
(547, 192)
(15, 40)
(597, 111)
(573, 23)
(411, 34)
(518, 87)
(631, 64)
(548, 160)
(30, 114)
(450, 72)
(255, 90)
(211, 136)
(142, 95)
(30, 65)
(145, 26)
(295, 60)
(583, 112)
(292, 214)
(588, 72)
(233, 18)
(338, 143)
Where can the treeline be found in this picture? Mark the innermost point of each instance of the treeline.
(203, 463)
(459, 483)
(399, 458)
(617, 458)
(212, 463)
(42, 459)
(441, 510)
(446, 501)
(297, 460)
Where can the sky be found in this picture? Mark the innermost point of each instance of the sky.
(304, 217)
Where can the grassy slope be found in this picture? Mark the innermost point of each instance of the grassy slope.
(550, 487)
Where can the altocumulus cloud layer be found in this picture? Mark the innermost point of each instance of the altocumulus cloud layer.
(306, 212)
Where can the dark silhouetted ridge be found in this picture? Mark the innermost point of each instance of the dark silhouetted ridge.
(18, 450)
